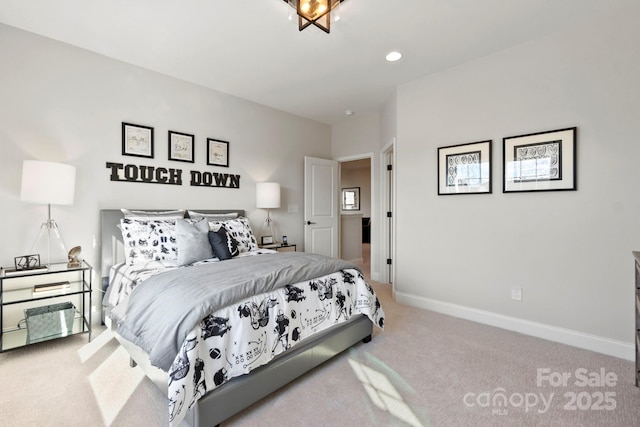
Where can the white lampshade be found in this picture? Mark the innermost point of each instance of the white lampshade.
(48, 183)
(267, 195)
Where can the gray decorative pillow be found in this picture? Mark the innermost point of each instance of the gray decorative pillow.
(193, 241)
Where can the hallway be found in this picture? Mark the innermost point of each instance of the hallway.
(365, 263)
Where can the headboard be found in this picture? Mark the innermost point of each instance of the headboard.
(112, 246)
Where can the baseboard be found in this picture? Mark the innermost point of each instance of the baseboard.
(620, 349)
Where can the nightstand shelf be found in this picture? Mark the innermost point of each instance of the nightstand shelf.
(291, 247)
(23, 290)
(15, 338)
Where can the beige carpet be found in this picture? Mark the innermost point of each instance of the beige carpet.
(425, 369)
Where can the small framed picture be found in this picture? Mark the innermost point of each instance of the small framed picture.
(181, 147)
(267, 240)
(543, 161)
(27, 262)
(137, 140)
(285, 242)
(464, 168)
(217, 152)
(351, 199)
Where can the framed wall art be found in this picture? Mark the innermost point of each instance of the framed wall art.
(351, 199)
(217, 152)
(137, 140)
(181, 147)
(543, 161)
(464, 168)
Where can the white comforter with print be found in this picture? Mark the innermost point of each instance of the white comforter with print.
(235, 339)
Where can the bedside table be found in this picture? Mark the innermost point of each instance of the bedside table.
(57, 293)
(291, 247)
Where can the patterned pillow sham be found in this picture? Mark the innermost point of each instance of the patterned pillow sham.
(240, 230)
(149, 240)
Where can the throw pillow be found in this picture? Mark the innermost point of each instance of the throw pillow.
(224, 246)
(193, 242)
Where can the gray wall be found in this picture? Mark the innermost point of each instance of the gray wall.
(64, 104)
(569, 251)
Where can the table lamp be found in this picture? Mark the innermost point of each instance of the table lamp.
(51, 184)
(268, 197)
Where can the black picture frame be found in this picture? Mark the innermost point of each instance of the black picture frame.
(541, 161)
(27, 262)
(181, 147)
(137, 140)
(351, 199)
(465, 169)
(266, 240)
(217, 152)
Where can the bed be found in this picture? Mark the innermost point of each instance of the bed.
(259, 351)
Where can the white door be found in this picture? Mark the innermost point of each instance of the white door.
(321, 206)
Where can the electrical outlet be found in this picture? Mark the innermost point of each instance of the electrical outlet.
(516, 293)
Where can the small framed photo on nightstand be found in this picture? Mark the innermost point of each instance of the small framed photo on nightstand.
(285, 242)
(27, 262)
(267, 240)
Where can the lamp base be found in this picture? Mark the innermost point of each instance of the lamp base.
(49, 244)
(267, 226)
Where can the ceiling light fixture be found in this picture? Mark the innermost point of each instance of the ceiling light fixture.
(315, 12)
(393, 56)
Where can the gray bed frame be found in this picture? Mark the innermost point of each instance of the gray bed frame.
(241, 392)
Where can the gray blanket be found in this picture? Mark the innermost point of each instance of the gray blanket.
(166, 307)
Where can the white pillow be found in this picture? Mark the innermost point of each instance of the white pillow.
(179, 213)
(149, 240)
(213, 216)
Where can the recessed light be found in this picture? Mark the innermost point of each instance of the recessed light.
(393, 56)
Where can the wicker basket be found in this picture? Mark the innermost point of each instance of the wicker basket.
(51, 321)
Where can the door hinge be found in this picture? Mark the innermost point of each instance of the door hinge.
(389, 214)
(389, 167)
(388, 261)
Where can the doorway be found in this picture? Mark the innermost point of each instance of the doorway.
(356, 212)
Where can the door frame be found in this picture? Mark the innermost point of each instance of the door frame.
(388, 204)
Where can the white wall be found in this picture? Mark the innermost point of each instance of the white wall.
(569, 251)
(64, 104)
(389, 119)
